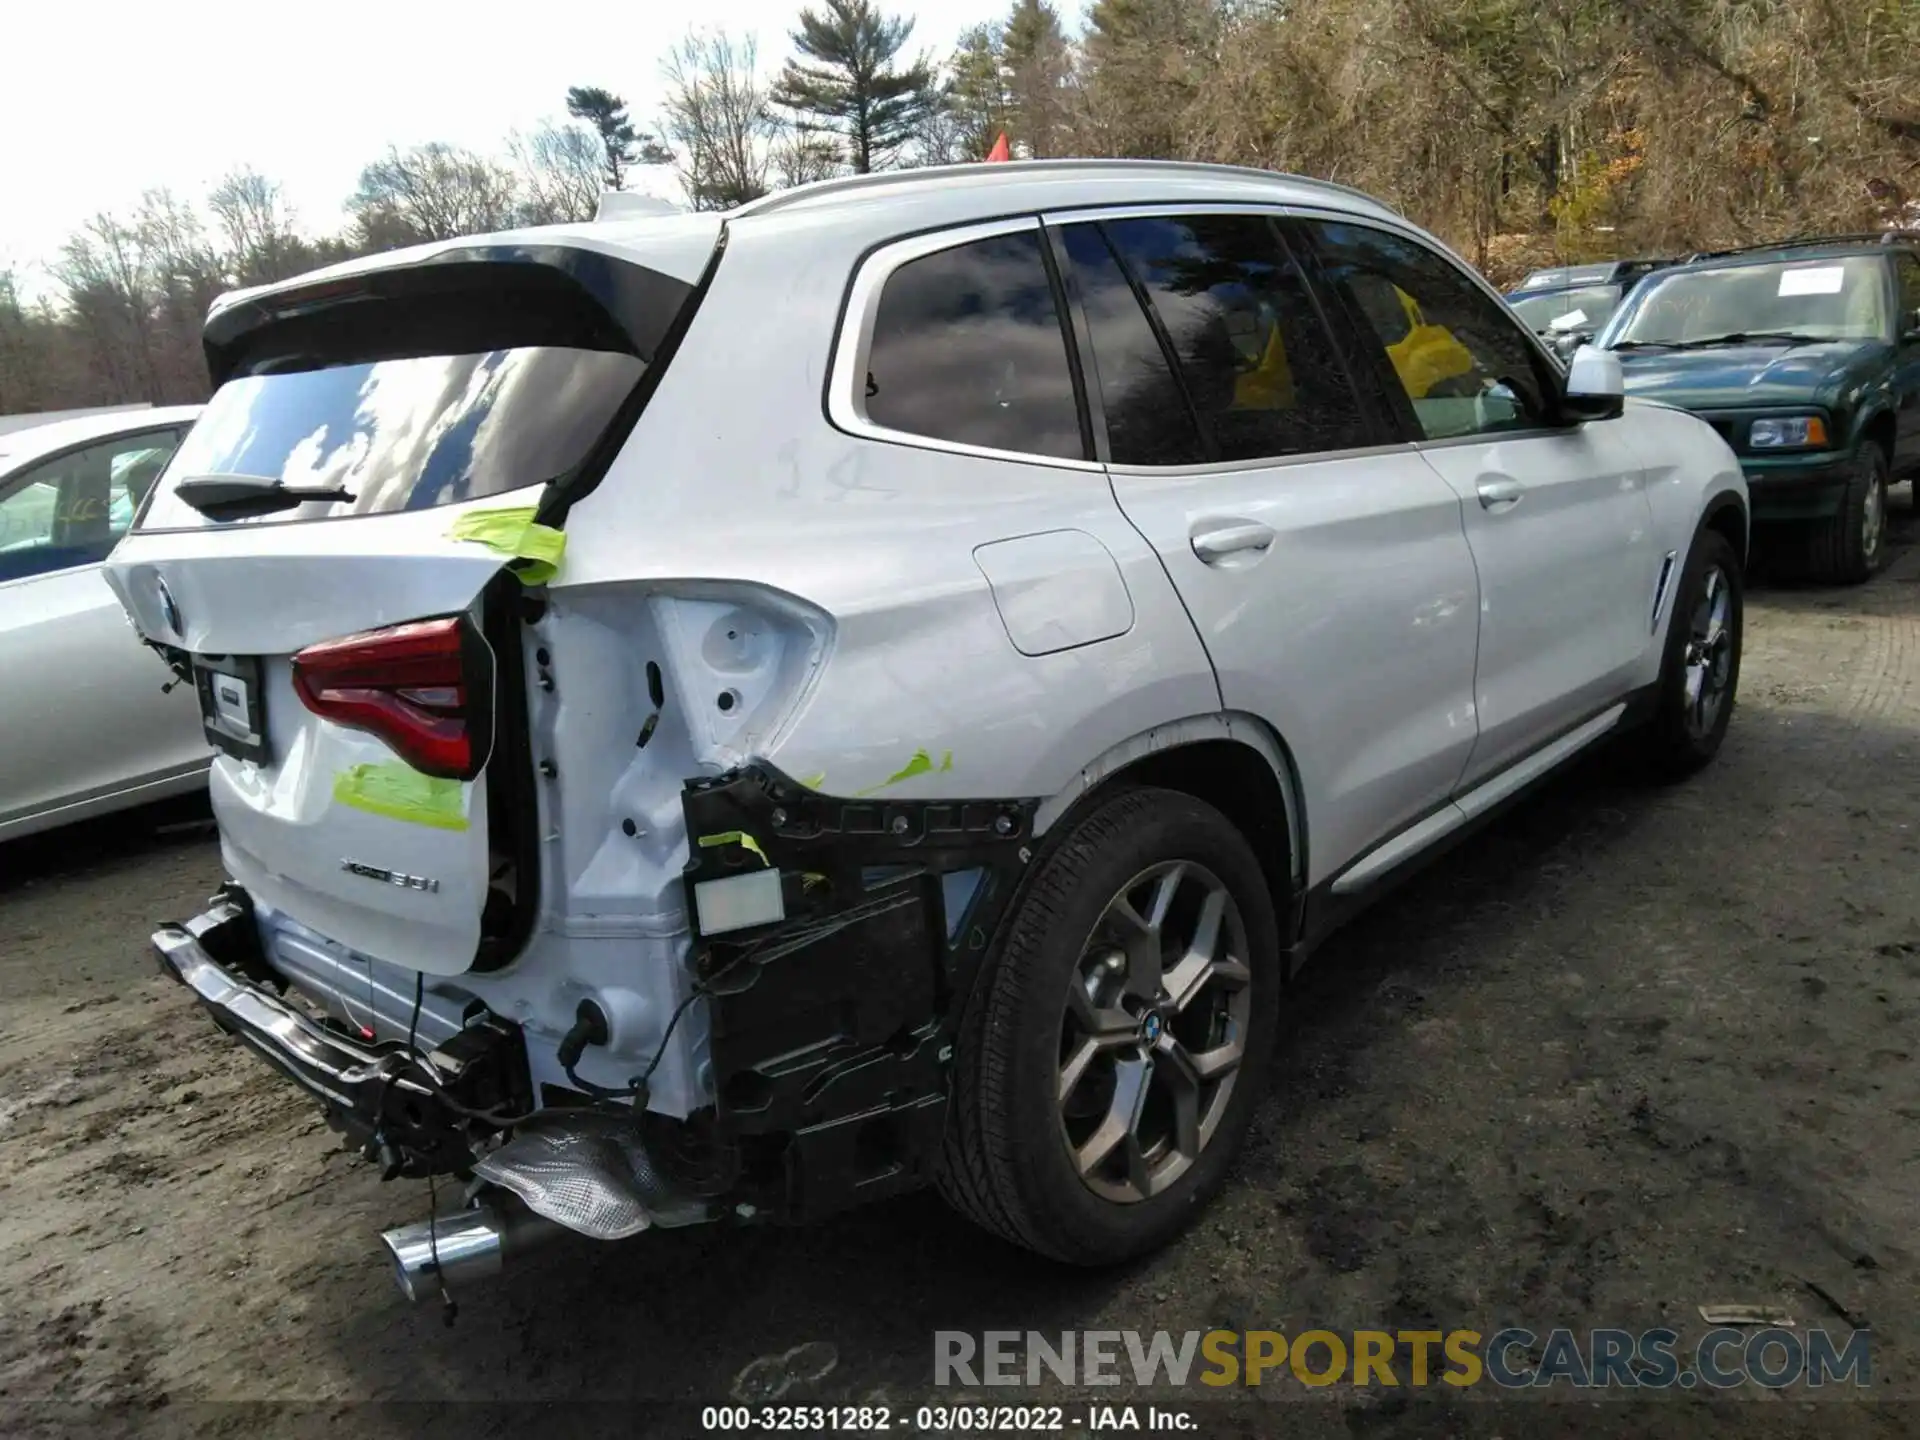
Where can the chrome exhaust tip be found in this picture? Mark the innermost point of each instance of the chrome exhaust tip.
(454, 1249)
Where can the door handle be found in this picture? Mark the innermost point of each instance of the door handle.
(1215, 543)
(1500, 494)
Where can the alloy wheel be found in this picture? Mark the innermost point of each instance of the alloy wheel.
(1153, 1032)
(1873, 520)
(1709, 653)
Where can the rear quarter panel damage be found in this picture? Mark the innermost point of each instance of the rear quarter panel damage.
(840, 688)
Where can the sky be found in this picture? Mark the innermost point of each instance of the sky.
(99, 103)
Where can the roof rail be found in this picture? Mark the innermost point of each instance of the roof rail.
(846, 184)
(1862, 237)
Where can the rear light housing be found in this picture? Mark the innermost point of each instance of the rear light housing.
(426, 688)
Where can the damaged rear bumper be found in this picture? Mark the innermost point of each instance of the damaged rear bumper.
(416, 1117)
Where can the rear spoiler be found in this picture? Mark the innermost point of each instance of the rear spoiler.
(451, 301)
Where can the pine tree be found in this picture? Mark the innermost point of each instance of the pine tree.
(1034, 54)
(622, 144)
(977, 94)
(845, 79)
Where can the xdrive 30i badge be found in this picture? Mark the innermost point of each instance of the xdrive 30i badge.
(423, 883)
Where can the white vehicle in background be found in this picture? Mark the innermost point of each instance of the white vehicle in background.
(88, 723)
(736, 716)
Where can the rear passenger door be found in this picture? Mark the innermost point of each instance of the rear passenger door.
(1557, 515)
(1323, 564)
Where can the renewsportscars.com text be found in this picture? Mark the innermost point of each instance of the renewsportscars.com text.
(1512, 1358)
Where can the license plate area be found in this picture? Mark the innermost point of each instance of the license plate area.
(232, 704)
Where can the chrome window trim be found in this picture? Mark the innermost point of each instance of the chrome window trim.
(1265, 462)
(846, 384)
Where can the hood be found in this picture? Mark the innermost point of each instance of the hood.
(1740, 377)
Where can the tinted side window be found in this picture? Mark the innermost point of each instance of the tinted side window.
(70, 510)
(1148, 419)
(1465, 367)
(967, 347)
(1909, 292)
(1258, 365)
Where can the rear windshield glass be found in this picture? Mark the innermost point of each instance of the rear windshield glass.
(401, 434)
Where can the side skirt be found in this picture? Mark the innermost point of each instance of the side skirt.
(1339, 898)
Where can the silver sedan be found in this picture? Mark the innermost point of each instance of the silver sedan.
(87, 728)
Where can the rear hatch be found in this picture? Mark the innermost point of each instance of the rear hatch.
(339, 555)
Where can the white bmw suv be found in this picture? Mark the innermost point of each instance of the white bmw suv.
(735, 716)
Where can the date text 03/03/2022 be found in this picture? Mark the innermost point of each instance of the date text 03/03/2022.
(945, 1419)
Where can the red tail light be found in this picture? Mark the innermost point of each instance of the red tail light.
(426, 688)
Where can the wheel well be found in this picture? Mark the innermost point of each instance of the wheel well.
(1880, 431)
(1236, 780)
(1731, 522)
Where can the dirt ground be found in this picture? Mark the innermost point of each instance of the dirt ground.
(1630, 1052)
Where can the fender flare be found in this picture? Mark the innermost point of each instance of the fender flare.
(1233, 726)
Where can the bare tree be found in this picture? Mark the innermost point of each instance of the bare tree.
(717, 119)
(562, 173)
(802, 154)
(108, 286)
(186, 275)
(256, 228)
(431, 192)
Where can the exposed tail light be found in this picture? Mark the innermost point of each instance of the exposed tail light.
(426, 688)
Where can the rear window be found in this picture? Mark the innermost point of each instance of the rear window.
(967, 347)
(402, 434)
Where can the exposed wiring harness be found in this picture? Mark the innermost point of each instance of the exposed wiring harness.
(590, 1028)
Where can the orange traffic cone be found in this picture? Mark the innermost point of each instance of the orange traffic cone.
(1000, 151)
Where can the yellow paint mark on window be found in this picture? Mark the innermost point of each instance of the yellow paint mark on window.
(400, 792)
(534, 550)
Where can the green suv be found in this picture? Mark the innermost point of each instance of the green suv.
(1805, 356)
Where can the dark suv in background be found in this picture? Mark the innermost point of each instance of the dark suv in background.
(1567, 306)
(1805, 356)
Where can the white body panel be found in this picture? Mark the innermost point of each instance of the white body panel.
(89, 727)
(267, 593)
(1351, 632)
(277, 819)
(1567, 558)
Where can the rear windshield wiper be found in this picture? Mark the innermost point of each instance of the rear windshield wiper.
(236, 496)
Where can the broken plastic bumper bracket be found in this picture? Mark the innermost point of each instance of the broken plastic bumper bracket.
(371, 1093)
(838, 940)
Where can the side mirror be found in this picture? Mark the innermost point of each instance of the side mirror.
(1595, 389)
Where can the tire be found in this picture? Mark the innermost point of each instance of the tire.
(1849, 548)
(1009, 1163)
(1684, 735)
